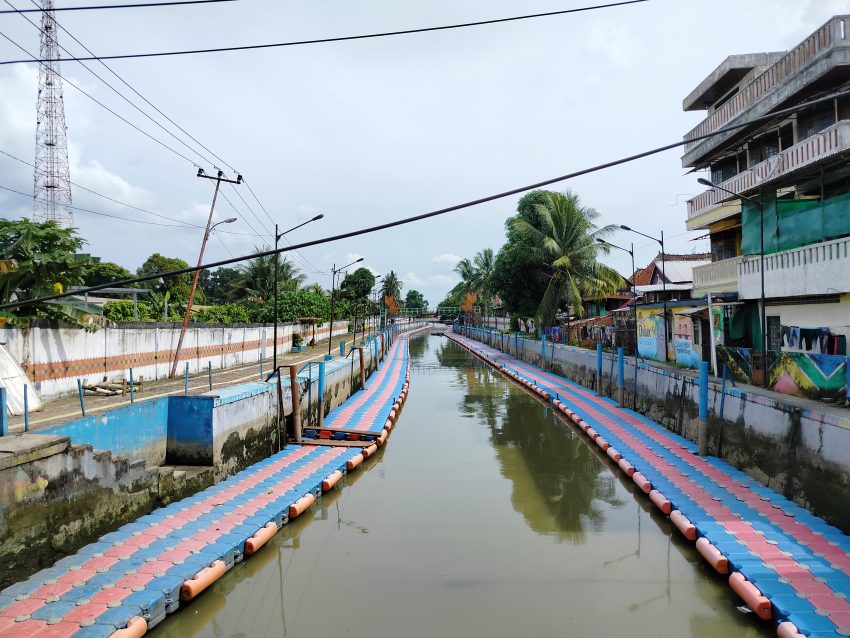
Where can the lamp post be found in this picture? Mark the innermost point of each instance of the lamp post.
(631, 251)
(374, 293)
(334, 272)
(277, 237)
(219, 178)
(663, 277)
(763, 318)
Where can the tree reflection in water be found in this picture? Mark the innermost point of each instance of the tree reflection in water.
(558, 483)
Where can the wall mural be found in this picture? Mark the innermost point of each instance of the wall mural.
(810, 375)
(650, 336)
(738, 362)
(683, 340)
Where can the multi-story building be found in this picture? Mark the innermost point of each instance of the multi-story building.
(793, 177)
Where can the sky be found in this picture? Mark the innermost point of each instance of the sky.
(370, 131)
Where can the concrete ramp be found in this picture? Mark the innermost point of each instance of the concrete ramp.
(13, 378)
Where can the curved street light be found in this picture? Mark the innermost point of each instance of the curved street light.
(663, 277)
(334, 272)
(631, 251)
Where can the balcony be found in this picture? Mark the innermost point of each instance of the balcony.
(826, 144)
(802, 65)
(816, 269)
(718, 276)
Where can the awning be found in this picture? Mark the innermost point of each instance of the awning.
(690, 311)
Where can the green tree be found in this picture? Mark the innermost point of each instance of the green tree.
(105, 272)
(455, 297)
(122, 310)
(220, 285)
(477, 275)
(519, 274)
(391, 285)
(564, 238)
(415, 301)
(355, 287)
(257, 277)
(223, 313)
(177, 285)
(39, 259)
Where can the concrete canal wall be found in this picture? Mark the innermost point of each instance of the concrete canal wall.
(70, 483)
(803, 453)
(54, 358)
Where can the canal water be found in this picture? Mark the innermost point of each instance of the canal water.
(485, 516)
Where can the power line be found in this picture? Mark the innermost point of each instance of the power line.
(112, 88)
(443, 211)
(98, 102)
(384, 34)
(134, 5)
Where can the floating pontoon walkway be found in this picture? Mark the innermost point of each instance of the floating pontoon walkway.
(785, 563)
(126, 582)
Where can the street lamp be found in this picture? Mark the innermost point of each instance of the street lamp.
(334, 272)
(277, 237)
(763, 321)
(374, 290)
(663, 277)
(631, 251)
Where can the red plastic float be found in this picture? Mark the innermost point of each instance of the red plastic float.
(329, 483)
(382, 437)
(136, 628)
(660, 501)
(684, 525)
(602, 443)
(301, 505)
(785, 629)
(592, 433)
(627, 467)
(711, 554)
(751, 595)
(614, 454)
(642, 482)
(260, 537)
(369, 451)
(202, 580)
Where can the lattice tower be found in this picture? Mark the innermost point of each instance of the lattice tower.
(52, 180)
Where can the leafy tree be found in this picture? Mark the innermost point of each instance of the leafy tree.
(122, 310)
(355, 287)
(221, 285)
(519, 274)
(415, 300)
(223, 313)
(391, 285)
(177, 285)
(293, 304)
(40, 259)
(564, 237)
(257, 277)
(455, 297)
(105, 272)
(477, 275)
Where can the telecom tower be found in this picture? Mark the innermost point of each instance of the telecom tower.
(52, 181)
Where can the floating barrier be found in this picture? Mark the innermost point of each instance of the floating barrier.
(329, 483)
(354, 461)
(301, 505)
(660, 501)
(261, 537)
(382, 437)
(788, 629)
(627, 467)
(712, 555)
(369, 451)
(642, 482)
(602, 443)
(613, 454)
(751, 595)
(136, 628)
(684, 525)
(202, 580)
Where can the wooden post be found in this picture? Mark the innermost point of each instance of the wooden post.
(362, 369)
(209, 373)
(296, 402)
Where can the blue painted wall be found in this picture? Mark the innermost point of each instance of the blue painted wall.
(135, 431)
(190, 430)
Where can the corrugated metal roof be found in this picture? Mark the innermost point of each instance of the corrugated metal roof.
(680, 271)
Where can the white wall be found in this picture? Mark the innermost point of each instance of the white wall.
(835, 316)
(73, 353)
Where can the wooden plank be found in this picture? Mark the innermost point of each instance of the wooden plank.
(326, 429)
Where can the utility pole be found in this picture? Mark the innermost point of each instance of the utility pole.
(219, 178)
(334, 272)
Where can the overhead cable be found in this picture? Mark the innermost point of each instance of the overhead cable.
(134, 5)
(347, 38)
(448, 209)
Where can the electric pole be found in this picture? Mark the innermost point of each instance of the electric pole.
(219, 178)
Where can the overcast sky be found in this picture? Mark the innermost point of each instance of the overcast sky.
(369, 131)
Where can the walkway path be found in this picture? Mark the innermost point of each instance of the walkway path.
(788, 565)
(136, 575)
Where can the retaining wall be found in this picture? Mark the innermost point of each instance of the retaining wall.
(54, 358)
(802, 452)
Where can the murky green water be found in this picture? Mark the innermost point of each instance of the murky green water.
(487, 516)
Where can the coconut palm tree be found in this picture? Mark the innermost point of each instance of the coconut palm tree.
(564, 236)
(391, 285)
(484, 263)
(257, 278)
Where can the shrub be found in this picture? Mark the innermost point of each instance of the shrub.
(123, 311)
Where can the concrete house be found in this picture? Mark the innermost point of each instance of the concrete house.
(783, 184)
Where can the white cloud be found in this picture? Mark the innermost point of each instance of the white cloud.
(446, 258)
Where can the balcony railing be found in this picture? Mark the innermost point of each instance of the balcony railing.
(836, 31)
(816, 269)
(718, 276)
(827, 143)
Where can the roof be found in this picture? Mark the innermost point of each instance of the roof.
(680, 271)
(661, 287)
(643, 276)
(724, 78)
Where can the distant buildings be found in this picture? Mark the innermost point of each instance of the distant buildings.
(793, 178)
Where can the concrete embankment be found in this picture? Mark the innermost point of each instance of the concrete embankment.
(70, 483)
(802, 452)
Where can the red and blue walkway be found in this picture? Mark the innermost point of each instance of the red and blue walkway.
(786, 563)
(130, 579)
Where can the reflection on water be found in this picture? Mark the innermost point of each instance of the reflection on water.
(484, 515)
